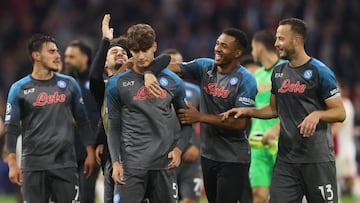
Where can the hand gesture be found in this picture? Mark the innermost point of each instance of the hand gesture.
(118, 173)
(190, 115)
(107, 32)
(152, 84)
(237, 112)
(175, 156)
(308, 125)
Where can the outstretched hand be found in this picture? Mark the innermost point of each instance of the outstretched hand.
(190, 115)
(107, 32)
(235, 112)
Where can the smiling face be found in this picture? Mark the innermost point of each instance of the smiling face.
(285, 42)
(116, 56)
(226, 50)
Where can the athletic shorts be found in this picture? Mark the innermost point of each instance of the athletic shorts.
(157, 185)
(189, 180)
(225, 181)
(57, 185)
(317, 181)
(261, 167)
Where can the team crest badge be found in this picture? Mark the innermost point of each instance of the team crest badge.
(308, 74)
(61, 84)
(163, 82)
(233, 81)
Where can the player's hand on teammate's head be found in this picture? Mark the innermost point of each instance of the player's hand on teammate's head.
(107, 32)
(175, 156)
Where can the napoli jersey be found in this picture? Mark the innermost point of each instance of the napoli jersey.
(219, 93)
(300, 91)
(149, 127)
(46, 109)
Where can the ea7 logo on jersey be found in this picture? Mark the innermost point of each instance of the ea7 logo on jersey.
(28, 91)
(278, 75)
(128, 83)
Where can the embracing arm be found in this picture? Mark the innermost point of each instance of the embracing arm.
(266, 112)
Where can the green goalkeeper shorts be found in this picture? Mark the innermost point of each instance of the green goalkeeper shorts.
(262, 164)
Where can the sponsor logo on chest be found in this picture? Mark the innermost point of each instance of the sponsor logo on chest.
(215, 91)
(143, 94)
(44, 98)
(296, 87)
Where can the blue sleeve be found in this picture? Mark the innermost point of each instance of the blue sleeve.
(194, 69)
(113, 98)
(80, 115)
(327, 81)
(114, 114)
(12, 118)
(247, 90)
(13, 111)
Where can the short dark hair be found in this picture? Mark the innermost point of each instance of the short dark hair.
(36, 42)
(84, 48)
(240, 37)
(266, 38)
(120, 41)
(140, 37)
(296, 25)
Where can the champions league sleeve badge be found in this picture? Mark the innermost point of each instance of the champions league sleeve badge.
(61, 84)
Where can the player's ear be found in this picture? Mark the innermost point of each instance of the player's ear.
(35, 55)
(154, 47)
(238, 53)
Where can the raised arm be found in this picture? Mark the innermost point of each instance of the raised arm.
(97, 85)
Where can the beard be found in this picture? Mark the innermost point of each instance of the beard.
(289, 54)
(117, 66)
